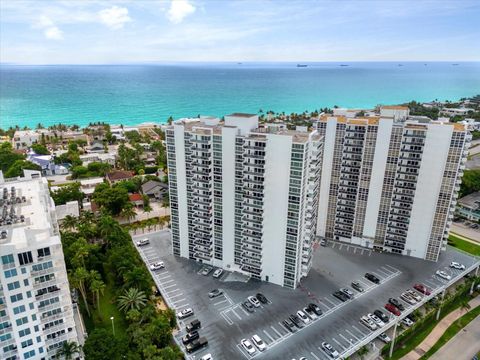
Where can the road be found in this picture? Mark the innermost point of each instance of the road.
(462, 346)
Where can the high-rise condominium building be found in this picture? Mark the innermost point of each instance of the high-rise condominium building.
(244, 198)
(390, 182)
(36, 314)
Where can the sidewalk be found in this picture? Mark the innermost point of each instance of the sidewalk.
(438, 331)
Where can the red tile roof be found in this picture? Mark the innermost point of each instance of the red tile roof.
(135, 197)
(119, 175)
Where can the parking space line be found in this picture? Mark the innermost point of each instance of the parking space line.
(220, 302)
(174, 296)
(335, 340)
(344, 338)
(278, 333)
(169, 286)
(175, 303)
(431, 284)
(167, 282)
(315, 356)
(269, 336)
(360, 331)
(350, 333)
(172, 291)
(238, 316)
(331, 302)
(244, 311)
(227, 318)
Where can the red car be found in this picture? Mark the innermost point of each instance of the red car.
(422, 288)
(393, 309)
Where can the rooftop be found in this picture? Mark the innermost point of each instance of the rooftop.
(244, 115)
(119, 175)
(471, 201)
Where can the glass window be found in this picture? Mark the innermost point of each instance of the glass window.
(10, 273)
(7, 259)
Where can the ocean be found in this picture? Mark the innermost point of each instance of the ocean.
(131, 94)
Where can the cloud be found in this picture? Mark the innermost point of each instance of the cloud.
(179, 9)
(50, 30)
(115, 17)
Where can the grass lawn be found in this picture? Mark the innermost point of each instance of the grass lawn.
(100, 318)
(452, 330)
(464, 245)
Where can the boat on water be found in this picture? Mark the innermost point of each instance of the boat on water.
(455, 64)
(344, 65)
(302, 65)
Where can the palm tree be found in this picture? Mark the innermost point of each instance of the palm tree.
(68, 350)
(97, 286)
(132, 299)
(465, 305)
(77, 280)
(107, 226)
(69, 222)
(87, 217)
(128, 212)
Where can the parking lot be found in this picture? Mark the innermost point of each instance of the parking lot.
(225, 322)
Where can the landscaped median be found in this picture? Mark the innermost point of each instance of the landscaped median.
(452, 330)
(412, 337)
(463, 245)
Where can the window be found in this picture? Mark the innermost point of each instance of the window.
(7, 259)
(19, 309)
(22, 321)
(25, 282)
(24, 332)
(29, 354)
(43, 252)
(10, 273)
(25, 258)
(26, 343)
(14, 285)
(16, 297)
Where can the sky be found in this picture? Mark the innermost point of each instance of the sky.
(144, 31)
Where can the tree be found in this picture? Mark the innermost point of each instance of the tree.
(40, 149)
(68, 350)
(132, 299)
(465, 306)
(78, 280)
(128, 212)
(470, 182)
(101, 345)
(66, 193)
(112, 199)
(18, 166)
(68, 222)
(97, 286)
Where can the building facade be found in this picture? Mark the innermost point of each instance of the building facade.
(36, 313)
(244, 198)
(390, 183)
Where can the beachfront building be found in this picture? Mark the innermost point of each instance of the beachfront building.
(244, 198)
(36, 313)
(390, 182)
(24, 139)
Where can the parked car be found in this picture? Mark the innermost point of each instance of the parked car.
(408, 298)
(290, 326)
(248, 346)
(406, 321)
(422, 288)
(443, 275)
(368, 323)
(396, 303)
(214, 293)
(310, 313)
(384, 337)
(207, 357)
(142, 242)
(456, 265)
(379, 322)
(347, 292)
(329, 350)
(296, 320)
(323, 242)
(372, 278)
(381, 315)
(248, 306)
(206, 270)
(190, 337)
(196, 345)
(303, 317)
(414, 295)
(341, 296)
(393, 309)
(262, 298)
(185, 313)
(217, 273)
(254, 301)
(357, 286)
(315, 308)
(259, 343)
(193, 325)
(157, 266)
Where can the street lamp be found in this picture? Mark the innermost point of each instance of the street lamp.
(113, 325)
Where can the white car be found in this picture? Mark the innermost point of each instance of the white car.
(185, 313)
(368, 323)
(376, 320)
(259, 342)
(408, 298)
(443, 275)
(247, 345)
(142, 242)
(157, 266)
(384, 337)
(217, 273)
(407, 322)
(303, 317)
(329, 350)
(207, 357)
(413, 294)
(456, 265)
(254, 301)
(309, 312)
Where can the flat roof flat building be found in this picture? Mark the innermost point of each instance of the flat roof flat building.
(36, 314)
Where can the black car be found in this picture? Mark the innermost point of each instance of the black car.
(310, 313)
(289, 326)
(315, 309)
(248, 306)
(372, 278)
(193, 325)
(357, 286)
(262, 298)
(194, 335)
(381, 315)
(396, 303)
(196, 345)
(341, 296)
(296, 320)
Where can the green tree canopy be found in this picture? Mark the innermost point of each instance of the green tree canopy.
(18, 166)
(112, 199)
(40, 149)
(470, 182)
(67, 193)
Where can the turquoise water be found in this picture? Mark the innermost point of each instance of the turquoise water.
(131, 94)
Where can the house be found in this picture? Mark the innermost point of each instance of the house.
(87, 186)
(70, 208)
(456, 111)
(96, 146)
(136, 199)
(154, 189)
(23, 139)
(106, 158)
(47, 164)
(115, 176)
(469, 206)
